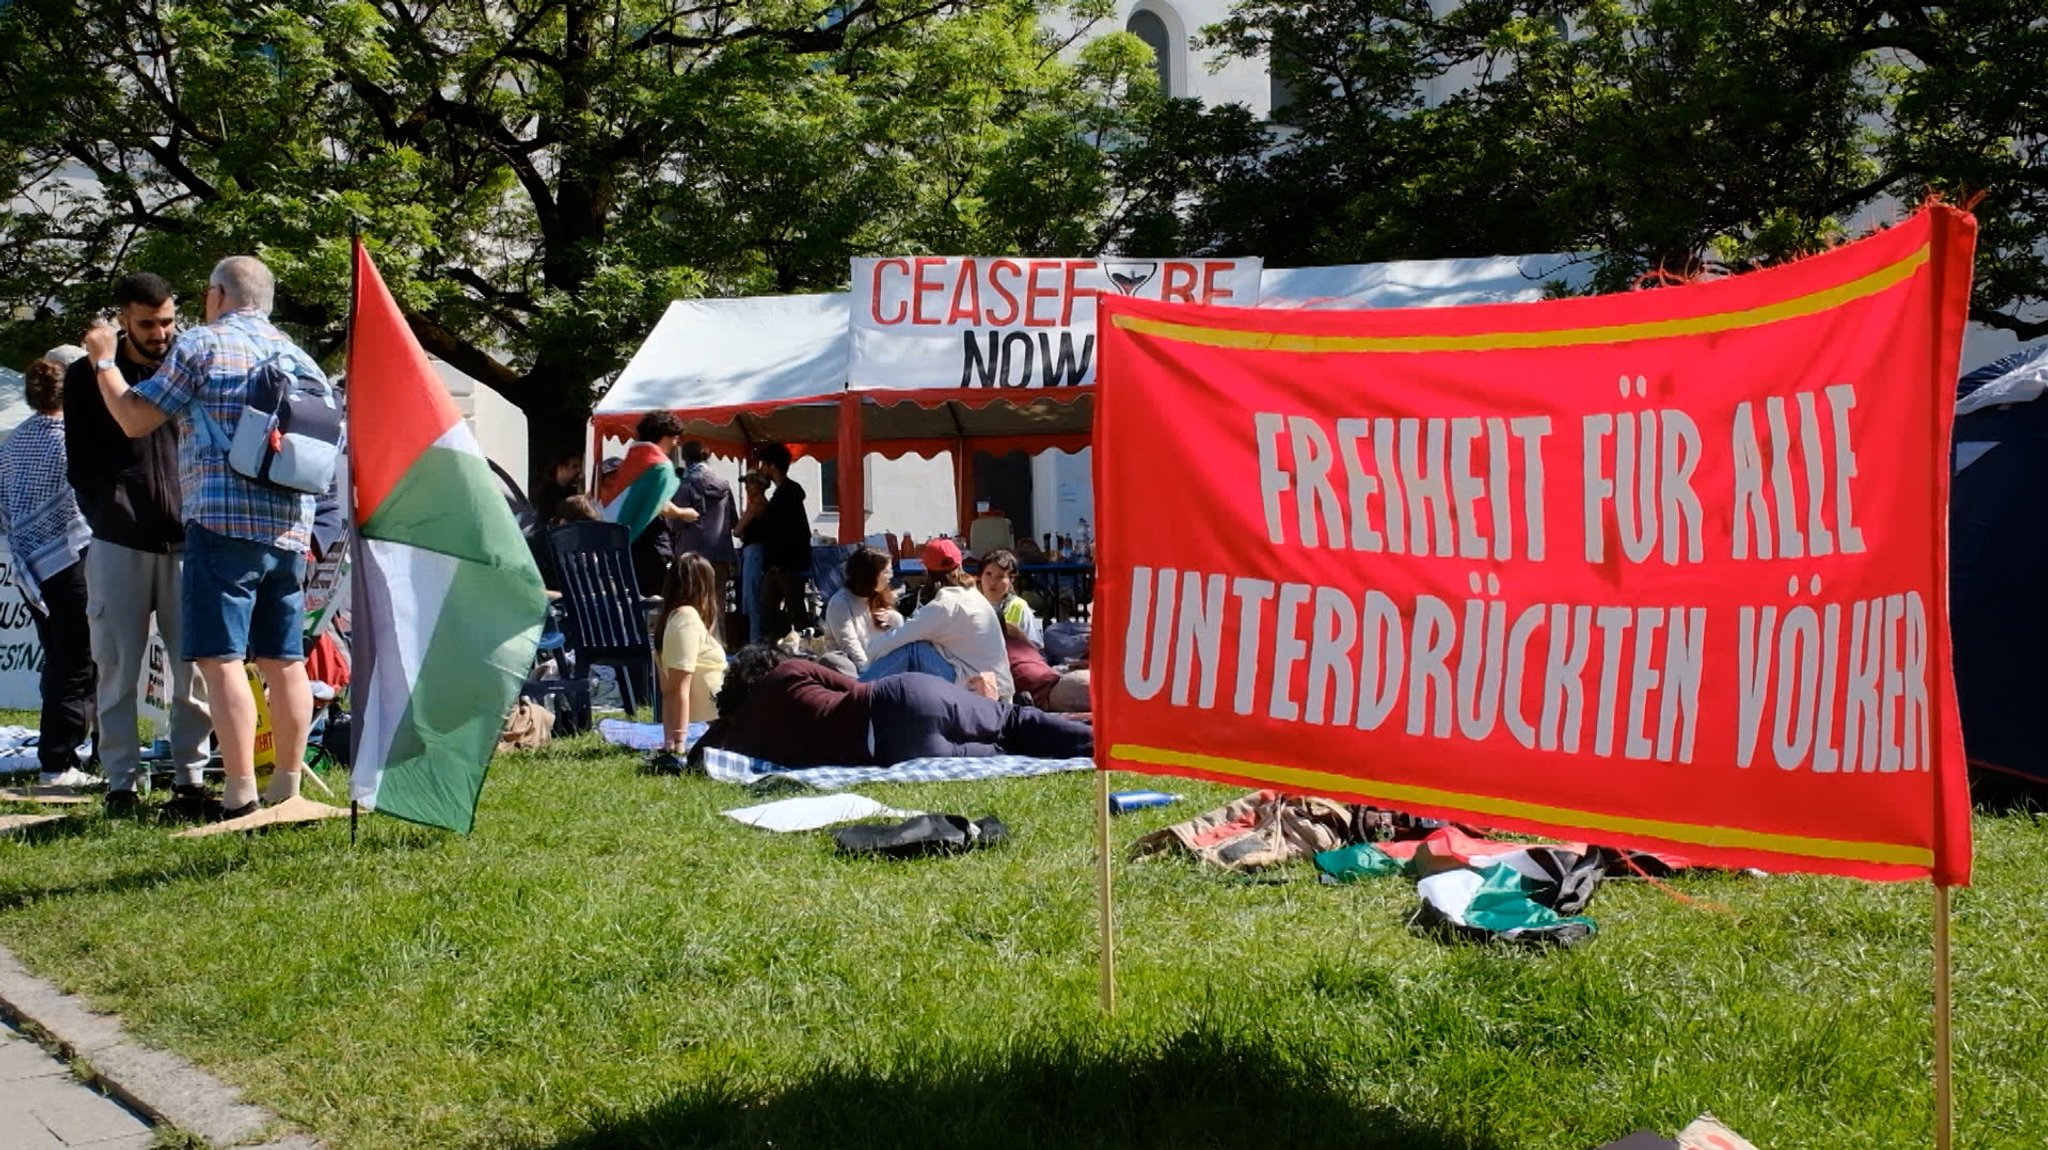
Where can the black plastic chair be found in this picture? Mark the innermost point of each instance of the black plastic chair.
(828, 574)
(605, 622)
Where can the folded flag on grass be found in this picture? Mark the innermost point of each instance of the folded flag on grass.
(448, 602)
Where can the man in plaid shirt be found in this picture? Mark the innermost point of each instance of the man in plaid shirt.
(245, 543)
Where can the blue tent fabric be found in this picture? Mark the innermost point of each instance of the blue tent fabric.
(2005, 365)
(1998, 560)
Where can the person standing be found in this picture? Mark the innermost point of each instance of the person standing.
(710, 534)
(245, 542)
(128, 491)
(563, 480)
(641, 493)
(752, 569)
(49, 539)
(782, 526)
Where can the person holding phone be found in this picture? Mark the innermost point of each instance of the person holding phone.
(131, 496)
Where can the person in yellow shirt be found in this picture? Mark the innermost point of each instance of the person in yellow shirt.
(998, 580)
(691, 659)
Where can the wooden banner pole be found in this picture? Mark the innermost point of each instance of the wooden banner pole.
(1944, 1086)
(1106, 916)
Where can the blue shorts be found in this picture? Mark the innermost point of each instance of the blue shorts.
(241, 599)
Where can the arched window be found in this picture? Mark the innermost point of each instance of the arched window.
(1147, 26)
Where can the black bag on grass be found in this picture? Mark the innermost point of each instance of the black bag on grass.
(923, 835)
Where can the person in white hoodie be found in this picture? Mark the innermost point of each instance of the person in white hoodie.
(864, 607)
(957, 635)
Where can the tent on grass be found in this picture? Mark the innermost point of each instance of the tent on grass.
(1998, 549)
(741, 372)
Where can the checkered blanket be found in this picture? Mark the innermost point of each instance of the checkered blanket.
(728, 767)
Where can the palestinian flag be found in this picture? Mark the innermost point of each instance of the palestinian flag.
(633, 494)
(447, 601)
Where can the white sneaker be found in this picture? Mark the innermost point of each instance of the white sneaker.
(71, 778)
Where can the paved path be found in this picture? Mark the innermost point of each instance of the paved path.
(42, 1107)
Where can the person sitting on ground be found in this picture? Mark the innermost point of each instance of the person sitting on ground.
(692, 659)
(998, 580)
(863, 607)
(795, 712)
(1049, 689)
(956, 636)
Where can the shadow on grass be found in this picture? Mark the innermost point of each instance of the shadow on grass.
(1999, 793)
(152, 877)
(70, 824)
(1196, 1089)
(197, 864)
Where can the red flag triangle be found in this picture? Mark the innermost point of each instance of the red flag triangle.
(397, 404)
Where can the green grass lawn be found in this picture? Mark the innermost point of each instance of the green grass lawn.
(608, 961)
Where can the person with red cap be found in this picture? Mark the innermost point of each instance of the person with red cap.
(957, 635)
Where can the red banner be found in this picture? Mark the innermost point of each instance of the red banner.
(1665, 569)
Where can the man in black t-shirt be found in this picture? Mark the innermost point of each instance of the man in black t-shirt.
(782, 527)
(129, 492)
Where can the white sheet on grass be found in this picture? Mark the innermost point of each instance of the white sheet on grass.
(815, 812)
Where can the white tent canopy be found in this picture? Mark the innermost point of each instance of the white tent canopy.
(1422, 283)
(715, 355)
(773, 368)
(13, 403)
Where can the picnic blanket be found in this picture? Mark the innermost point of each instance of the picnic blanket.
(643, 736)
(728, 767)
(18, 750)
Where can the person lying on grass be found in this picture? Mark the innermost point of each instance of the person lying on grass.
(692, 661)
(1049, 689)
(798, 713)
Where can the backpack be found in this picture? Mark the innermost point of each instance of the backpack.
(527, 725)
(291, 432)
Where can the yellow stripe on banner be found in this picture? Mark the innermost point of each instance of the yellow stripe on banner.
(1811, 304)
(1299, 778)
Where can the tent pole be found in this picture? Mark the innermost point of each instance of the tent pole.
(1944, 1086)
(853, 453)
(963, 485)
(1106, 915)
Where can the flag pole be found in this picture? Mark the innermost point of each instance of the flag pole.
(1944, 1085)
(1106, 921)
(348, 504)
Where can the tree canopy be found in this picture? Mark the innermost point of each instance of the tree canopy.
(1665, 135)
(539, 178)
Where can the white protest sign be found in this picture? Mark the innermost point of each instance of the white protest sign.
(923, 322)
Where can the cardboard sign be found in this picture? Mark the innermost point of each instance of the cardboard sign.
(326, 590)
(924, 322)
(21, 650)
(1663, 569)
(266, 738)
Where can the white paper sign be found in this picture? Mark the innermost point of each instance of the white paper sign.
(21, 652)
(922, 322)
